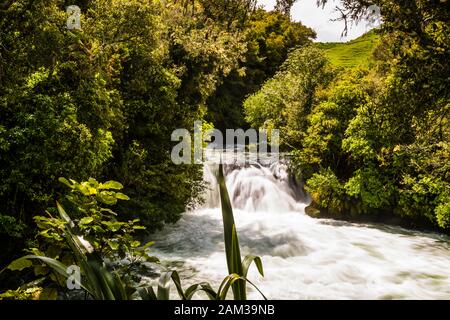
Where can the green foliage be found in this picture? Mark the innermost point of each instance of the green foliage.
(373, 141)
(163, 289)
(285, 100)
(93, 236)
(231, 13)
(11, 227)
(30, 291)
(103, 101)
(232, 248)
(109, 234)
(428, 195)
(372, 188)
(327, 123)
(268, 36)
(82, 241)
(96, 279)
(327, 191)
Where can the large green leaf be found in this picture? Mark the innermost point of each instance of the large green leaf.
(232, 249)
(19, 264)
(86, 220)
(111, 185)
(177, 281)
(63, 213)
(66, 182)
(54, 264)
(121, 196)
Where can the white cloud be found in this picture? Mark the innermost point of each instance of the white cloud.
(319, 19)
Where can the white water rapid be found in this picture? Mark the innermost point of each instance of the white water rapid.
(303, 258)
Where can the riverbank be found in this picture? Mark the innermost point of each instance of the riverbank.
(382, 217)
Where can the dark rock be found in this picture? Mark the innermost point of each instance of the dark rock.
(313, 211)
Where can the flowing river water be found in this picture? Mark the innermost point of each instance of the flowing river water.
(303, 257)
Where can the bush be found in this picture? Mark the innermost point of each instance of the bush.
(326, 191)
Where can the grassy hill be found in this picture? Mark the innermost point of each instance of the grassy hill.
(354, 53)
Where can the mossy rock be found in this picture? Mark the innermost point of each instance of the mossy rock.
(313, 211)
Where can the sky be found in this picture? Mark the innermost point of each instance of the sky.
(307, 12)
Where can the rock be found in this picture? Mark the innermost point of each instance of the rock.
(312, 211)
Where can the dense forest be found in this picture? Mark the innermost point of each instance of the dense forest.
(370, 136)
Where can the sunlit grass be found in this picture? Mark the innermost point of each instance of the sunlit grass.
(351, 54)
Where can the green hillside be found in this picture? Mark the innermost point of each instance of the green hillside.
(353, 53)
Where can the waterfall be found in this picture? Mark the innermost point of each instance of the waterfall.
(303, 258)
(255, 187)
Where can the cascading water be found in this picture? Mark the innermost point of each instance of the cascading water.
(304, 258)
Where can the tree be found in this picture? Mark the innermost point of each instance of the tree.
(269, 36)
(232, 13)
(284, 6)
(103, 101)
(374, 142)
(285, 101)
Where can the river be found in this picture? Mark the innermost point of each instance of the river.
(303, 257)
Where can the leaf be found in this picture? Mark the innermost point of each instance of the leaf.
(114, 226)
(86, 220)
(40, 270)
(111, 185)
(86, 189)
(63, 213)
(153, 259)
(66, 182)
(113, 245)
(135, 244)
(19, 264)
(107, 197)
(36, 252)
(55, 265)
(147, 293)
(93, 182)
(257, 289)
(247, 263)
(108, 210)
(232, 249)
(121, 196)
(176, 280)
(106, 285)
(148, 245)
(98, 228)
(203, 286)
(228, 282)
